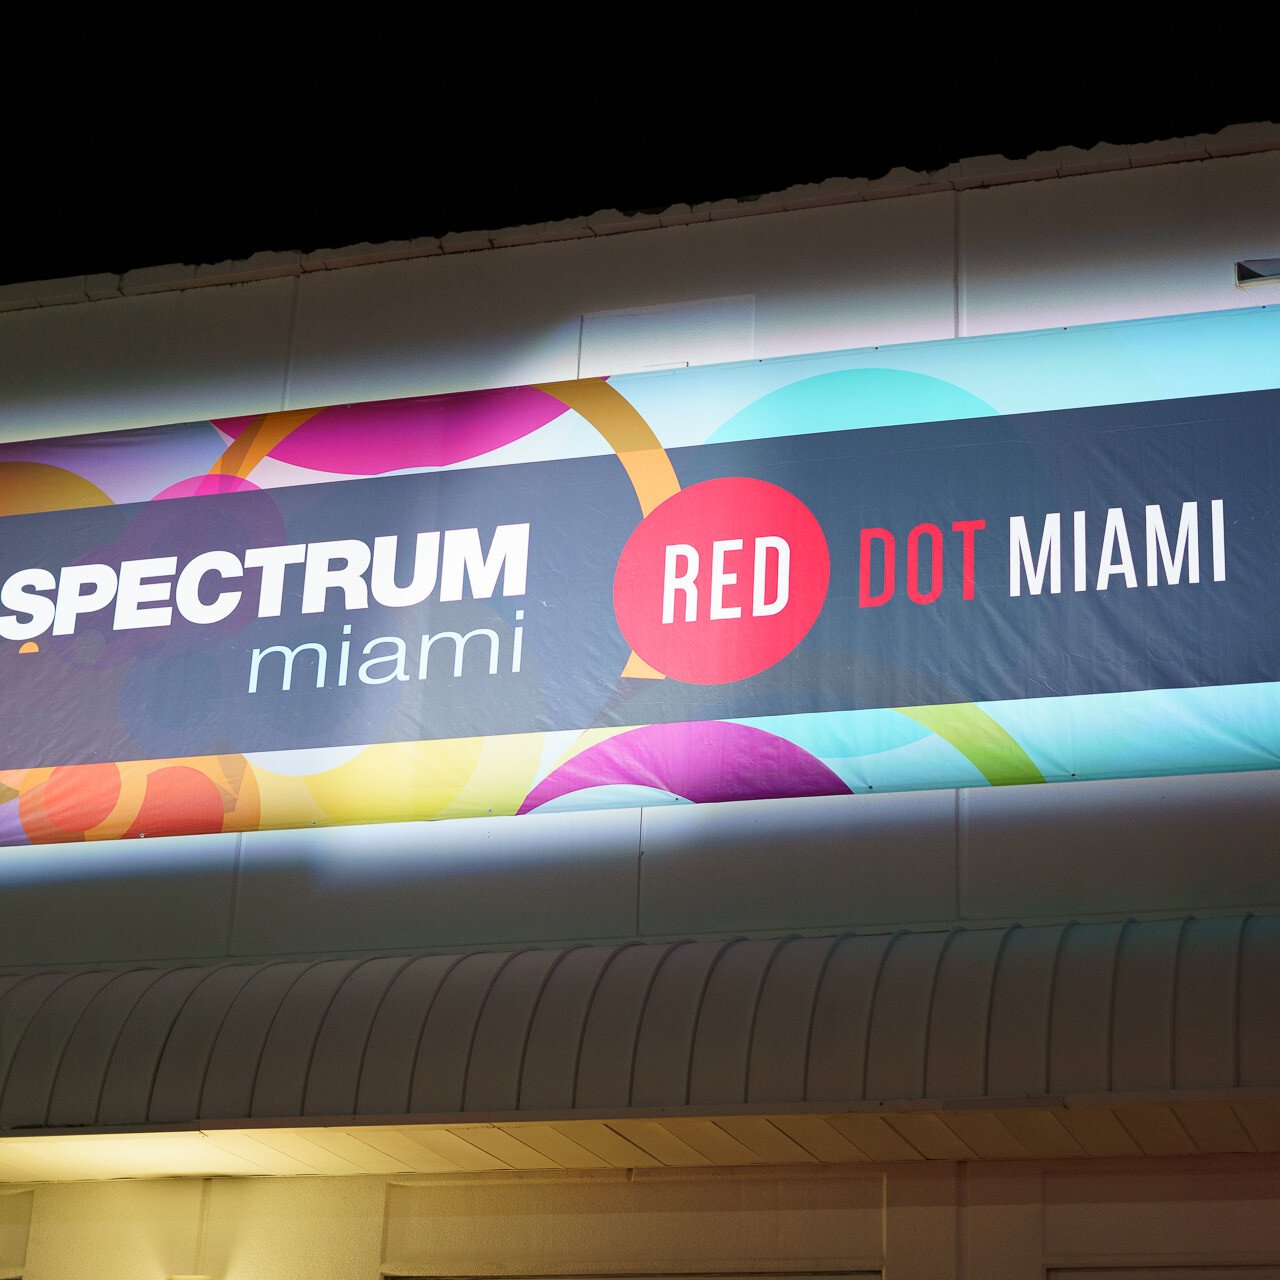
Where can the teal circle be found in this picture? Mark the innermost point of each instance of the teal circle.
(849, 399)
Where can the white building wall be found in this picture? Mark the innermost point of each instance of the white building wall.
(1062, 251)
(1215, 1218)
(1095, 247)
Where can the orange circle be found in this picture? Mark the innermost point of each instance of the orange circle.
(77, 797)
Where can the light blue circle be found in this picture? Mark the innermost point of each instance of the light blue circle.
(849, 399)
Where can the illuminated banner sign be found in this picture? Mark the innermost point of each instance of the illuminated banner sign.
(794, 581)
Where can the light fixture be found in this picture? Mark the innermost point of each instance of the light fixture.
(1258, 271)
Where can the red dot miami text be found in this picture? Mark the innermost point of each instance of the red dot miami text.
(1075, 550)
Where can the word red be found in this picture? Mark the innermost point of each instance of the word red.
(721, 581)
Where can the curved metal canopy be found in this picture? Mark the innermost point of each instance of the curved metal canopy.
(1107, 1009)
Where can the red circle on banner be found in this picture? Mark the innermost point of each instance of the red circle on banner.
(721, 581)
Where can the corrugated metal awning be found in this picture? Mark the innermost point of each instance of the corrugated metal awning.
(745, 1026)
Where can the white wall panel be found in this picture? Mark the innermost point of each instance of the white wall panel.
(116, 900)
(1152, 844)
(293, 1229)
(1117, 246)
(822, 279)
(457, 322)
(15, 1222)
(285, 1229)
(834, 861)
(134, 1230)
(708, 331)
(601, 1224)
(860, 275)
(141, 361)
(1104, 1212)
(436, 884)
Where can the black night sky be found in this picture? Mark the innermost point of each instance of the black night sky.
(131, 187)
